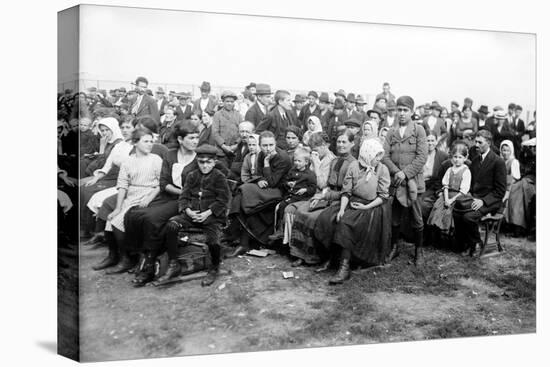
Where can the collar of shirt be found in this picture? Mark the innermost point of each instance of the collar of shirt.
(484, 155)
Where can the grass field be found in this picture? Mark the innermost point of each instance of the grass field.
(254, 308)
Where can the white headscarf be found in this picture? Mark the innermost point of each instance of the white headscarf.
(510, 145)
(112, 124)
(368, 151)
(317, 124)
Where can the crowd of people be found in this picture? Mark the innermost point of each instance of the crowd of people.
(320, 177)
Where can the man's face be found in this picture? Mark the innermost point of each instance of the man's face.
(204, 94)
(381, 104)
(206, 165)
(311, 100)
(338, 111)
(84, 124)
(252, 90)
(386, 88)
(435, 112)
(323, 106)
(517, 113)
(482, 145)
(373, 116)
(141, 87)
(430, 140)
(403, 115)
(353, 129)
(118, 94)
(292, 140)
(391, 113)
(285, 102)
(350, 105)
(268, 145)
(244, 132)
(482, 116)
(299, 105)
(159, 96)
(265, 99)
(229, 104)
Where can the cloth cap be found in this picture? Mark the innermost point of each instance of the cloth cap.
(206, 150)
(405, 101)
(324, 97)
(205, 87)
(313, 93)
(352, 122)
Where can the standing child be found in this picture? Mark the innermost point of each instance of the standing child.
(456, 182)
(300, 183)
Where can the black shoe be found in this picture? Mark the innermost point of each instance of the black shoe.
(146, 272)
(95, 240)
(109, 261)
(174, 269)
(240, 250)
(210, 277)
(472, 250)
(342, 275)
(324, 267)
(123, 266)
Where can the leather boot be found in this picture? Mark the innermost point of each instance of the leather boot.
(394, 251)
(342, 274)
(147, 271)
(418, 252)
(210, 277)
(110, 260)
(174, 269)
(95, 240)
(123, 266)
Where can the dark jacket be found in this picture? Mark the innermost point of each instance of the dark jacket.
(212, 105)
(89, 142)
(202, 192)
(306, 112)
(237, 163)
(254, 114)
(275, 123)
(302, 180)
(439, 127)
(183, 114)
(488, 181)
(325, 119)
(278, 168)
(148, 107)
(434, 182)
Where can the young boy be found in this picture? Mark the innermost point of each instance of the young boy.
(300, 183)
(202, 203)
(250, 161)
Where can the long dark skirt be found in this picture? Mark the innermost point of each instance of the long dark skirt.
(366, 233)
(144, 226)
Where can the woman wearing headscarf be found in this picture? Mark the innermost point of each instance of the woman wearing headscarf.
(118, 148)
(362, 227)
(313, 126)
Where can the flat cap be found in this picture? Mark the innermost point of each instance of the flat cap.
(405, 101)
(352, 122)
(229, 94)
(206, 150)
(313, 94)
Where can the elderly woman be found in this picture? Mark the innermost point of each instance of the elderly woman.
(360, 226)
(299, 226)
(253, 207)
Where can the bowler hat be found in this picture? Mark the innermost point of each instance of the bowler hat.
(160, 90)
(360, 100)
(340, 93)
(324, 97)
(263, 89)
(251, 85)
(436, 106)
(350, 98)
(205, 87)
(483, 109)
(375, 110)
(299, 99)
(229, 94)
(338, 104)
(313, 94)
(206, 150)
(352, 122)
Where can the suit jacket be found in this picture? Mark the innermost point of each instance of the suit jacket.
(184, 113)
(148, 107)
(439, 127)
(161, 107)
(212, 105)
(518, 126)
(408, 153)
(488, 181)
(354, 114)
(254, 114)
(275, 123)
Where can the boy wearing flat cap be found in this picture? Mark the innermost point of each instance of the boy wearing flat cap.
(203, 203)
(406, 152)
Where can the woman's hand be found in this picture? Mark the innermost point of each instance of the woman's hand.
(144, 203)
(92, 181)
(315, 160)
(359, 206)
(313, 203)
(448, 203)
(193, 214)
(113, 214)
(263, 184)
(340, 215)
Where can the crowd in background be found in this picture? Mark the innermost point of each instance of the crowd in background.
(323, 177)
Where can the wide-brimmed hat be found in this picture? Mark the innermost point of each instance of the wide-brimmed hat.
(350, 98)
(263, 89)
(483, 109)
(360, 100)
(160, 90)
(324, 97)
(299, 99)
(339, 104)
(436, 106)
(375, 110)
(340, 92)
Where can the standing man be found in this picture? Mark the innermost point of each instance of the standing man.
(161, 100)
(144, 105)
(279, 119)
(184, 110)
(325, 115)
(390, 119)
(406, 153)
(487, 188)
(310, 109)
(482, 112)
(349, 111)
(299, 101)
(258, 111)
(386, 94)
(225, 126)
(433, 124)
(206, 101)
(361, 104)
(336, 123)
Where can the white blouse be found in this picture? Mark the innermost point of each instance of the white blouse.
(120, 152)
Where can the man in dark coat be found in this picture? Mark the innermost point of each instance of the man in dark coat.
(405, 156)
(299, 101)
(258, 111)
(434, 124)
(349, 111)
(144, 105)
(161, 100)
(488, 187)
(279, 119)
(206, 101)
(325, 114)
(184, 110)
(386, 94)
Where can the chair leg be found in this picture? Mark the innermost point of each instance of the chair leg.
(485, 240)
(500, 248)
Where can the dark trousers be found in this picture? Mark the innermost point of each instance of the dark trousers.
(211, 227)
(467, 227)
(415, 211)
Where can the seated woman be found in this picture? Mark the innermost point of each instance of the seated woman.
(293, 140)
(313, 126)
(362, 229)
(106, 176)
(137, 185)
(253, 207)
(300, 217)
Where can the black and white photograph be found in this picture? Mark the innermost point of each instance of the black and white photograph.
(233, 185)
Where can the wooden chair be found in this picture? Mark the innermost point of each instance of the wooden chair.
(491, 224)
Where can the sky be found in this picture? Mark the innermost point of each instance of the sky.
(492, 68)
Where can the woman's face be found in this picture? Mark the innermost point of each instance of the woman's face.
(505, 151)
(195, 120)
(377, 159)
(343, 145)
(467, 113)
(189, 142)
(292, 140)
(310, 125)
(444, 114)
(206, 119)
(145, 144)
(455, 117)
(169, 115)
(105, 132)
(367, 130)
(430, 139)
(126, 128)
